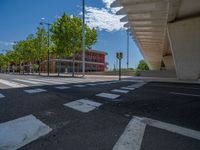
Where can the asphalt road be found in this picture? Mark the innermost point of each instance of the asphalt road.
(176, 105)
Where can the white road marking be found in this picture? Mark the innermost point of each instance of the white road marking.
(92, 84)
(132, 137)
(79, 85)
(56, 81)
(46, 81)
(62, 87)
(12, 84)
(41, 81)
(108, 95)
(19, 132)
(185, 94)
(83, 105)
(1, 95)
(103, 83)
(137, 85)
(120, 91)
(172, 128)
(27, 81)
(127, 88)
(31, 91)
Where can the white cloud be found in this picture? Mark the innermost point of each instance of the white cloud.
(6, 43)
(108, 3)
(104, 18)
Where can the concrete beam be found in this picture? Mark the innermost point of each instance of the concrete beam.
(148, 22)
(116, 3)
(184, 37)
(124, 19)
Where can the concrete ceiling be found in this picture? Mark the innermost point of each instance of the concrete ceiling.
(147, 21)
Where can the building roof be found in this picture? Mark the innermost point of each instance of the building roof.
(97, 51)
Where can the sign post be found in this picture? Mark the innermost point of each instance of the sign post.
(119, 56)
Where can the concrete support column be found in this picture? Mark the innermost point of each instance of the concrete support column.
(169, 62)
(184, 37)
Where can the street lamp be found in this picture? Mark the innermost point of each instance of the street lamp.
(83, 38)
(43, 22)
(127, 48)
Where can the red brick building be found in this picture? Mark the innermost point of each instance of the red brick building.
(94, 61)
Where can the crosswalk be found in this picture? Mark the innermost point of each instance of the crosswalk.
(12, 84)
(28, 82)
(31, 90)
(21, 131)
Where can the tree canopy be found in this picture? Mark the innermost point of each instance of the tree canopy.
(142, 65)
(67, 35)
(65, 40)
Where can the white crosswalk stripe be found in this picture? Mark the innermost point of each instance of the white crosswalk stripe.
(1, 95)
(83, 105)
(19, 132)
(137, 85)
(27, 81)
(120, 91)
(31, 91)
(46, 81)
(12, 84)
(108, 95)
(127, 88)
(79, 85)
(62, 87)
(92, 84)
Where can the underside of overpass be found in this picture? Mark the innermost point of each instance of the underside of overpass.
(167, 33)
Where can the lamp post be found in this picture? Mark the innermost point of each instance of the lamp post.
(127, 49)
(83, 38)
(48, 26)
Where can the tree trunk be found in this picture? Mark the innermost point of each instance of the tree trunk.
(23, 67)
(59, 67)
(39, 69)
(73, 69)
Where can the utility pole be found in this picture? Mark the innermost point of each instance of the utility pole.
(83, 38)
(48, 47)
(127, 49)
(48, 25)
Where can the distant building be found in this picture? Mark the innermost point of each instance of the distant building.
(95, 61)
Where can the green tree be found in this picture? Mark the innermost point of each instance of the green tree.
(67, 36)
(40, 46)
(142, 65)
(12, 56)
(25, 50)
(20, 50)
(3, 62)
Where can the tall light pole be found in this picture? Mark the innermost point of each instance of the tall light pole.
(127, 49)
(48, 26)
(83, 38)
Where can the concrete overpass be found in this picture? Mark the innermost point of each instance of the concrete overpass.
(167, 33)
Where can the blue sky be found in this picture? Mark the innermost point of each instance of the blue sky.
(21, 17)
